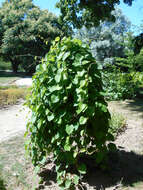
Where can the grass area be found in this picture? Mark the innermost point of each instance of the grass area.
(7, 80)
(8, 86)
(16, 170)
(9, 95)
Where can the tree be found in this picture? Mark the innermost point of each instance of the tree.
(26, 32)
(88, 12)
(107, 40)
(138, 40)
(131, 62)
(138, 43)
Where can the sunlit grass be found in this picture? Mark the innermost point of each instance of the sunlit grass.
(10, 95)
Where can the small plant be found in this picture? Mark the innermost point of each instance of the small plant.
(117, 124)
(69, 114)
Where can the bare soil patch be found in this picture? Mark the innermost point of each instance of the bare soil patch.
(13, 121)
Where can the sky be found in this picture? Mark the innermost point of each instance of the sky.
(134, 13)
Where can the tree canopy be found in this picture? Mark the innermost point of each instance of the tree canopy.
(107, 40)
(88, 12)
(24, 29)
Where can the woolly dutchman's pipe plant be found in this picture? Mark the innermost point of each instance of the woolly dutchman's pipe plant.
(69, 114)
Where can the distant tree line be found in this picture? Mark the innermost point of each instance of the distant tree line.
(26, 31)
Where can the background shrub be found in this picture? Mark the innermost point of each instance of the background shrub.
(119, 85)
(5, 65)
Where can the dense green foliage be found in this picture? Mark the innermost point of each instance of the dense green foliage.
(4, 65)
(24, 29)
(131, 62)
(69, 114)
(118, 85)
(124, 79)
(88, 12)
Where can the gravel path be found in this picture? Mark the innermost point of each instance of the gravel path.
(132, 138)
(13, 121)
(24, 82)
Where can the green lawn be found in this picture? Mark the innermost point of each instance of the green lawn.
(16, 170)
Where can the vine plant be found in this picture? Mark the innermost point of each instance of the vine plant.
(69, 114)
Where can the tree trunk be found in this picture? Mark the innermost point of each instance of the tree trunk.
(14, 65)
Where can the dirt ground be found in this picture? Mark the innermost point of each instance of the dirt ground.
(13, 121)
(132, 139)
(126, 166)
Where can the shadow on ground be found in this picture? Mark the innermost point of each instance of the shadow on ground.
(134, 105)
(126, 168)
(12, 74)
(48, 179)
